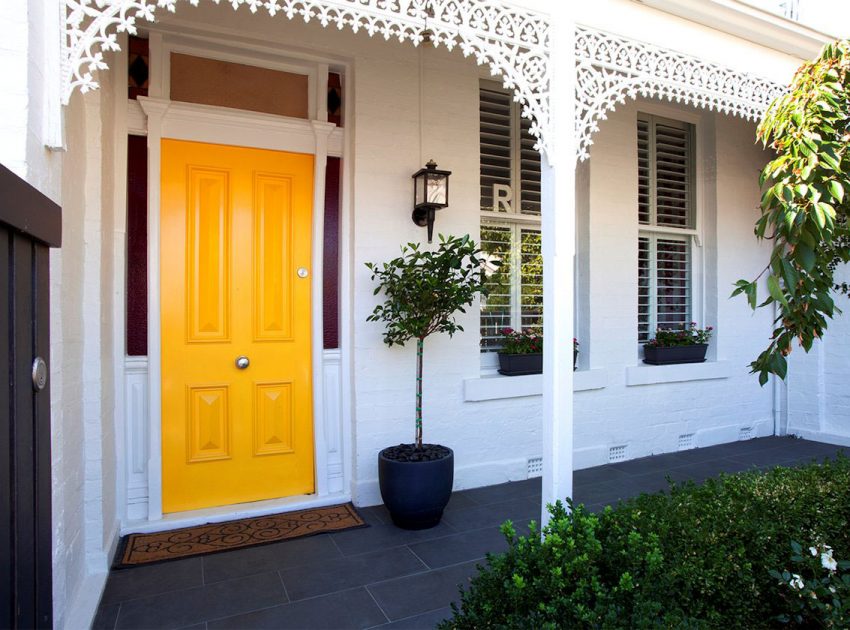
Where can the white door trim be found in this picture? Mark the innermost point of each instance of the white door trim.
(199, 123)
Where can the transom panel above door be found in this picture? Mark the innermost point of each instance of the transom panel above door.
(235, 243)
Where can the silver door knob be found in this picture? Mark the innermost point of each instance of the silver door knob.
(302, 272)
(242, 362)
(39, 374)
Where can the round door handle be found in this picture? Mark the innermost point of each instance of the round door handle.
(302, 272)
(242, 362)
(39, 374)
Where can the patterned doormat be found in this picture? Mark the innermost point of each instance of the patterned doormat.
(137, 549)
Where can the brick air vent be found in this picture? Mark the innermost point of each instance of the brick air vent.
(746, 433)
(686, 441)
(617, 453)
(535, 466)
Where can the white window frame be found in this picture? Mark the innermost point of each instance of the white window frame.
(515, 220)
(692, 234)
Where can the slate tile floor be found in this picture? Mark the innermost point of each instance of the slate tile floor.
(385, 577)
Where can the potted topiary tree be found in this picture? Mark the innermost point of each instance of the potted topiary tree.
(423, 289)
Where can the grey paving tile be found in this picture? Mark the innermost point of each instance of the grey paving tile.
(460, 499)
(815, 449)
(598, 474)
(178, 609)
(697, 456)
(263, 558)
(349, 572)
(481, 516)
(763, 458)
(506, 491)
(348, 609)
(358, 541)
(425, 621)
(375, 514)
(145, 580)
(416, 594)
(650, 464)
(471, 545)
(650, 483)
(610, 492)
(105, 617)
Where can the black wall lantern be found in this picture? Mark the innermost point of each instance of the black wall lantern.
(430, 193)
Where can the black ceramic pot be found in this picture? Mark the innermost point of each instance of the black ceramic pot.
(416, 493)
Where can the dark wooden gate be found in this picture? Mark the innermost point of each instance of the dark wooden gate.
(29, 224)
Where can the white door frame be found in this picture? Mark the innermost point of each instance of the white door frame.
(200, 123)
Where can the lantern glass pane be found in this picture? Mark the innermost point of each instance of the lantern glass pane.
(419, 190)
(437, 189)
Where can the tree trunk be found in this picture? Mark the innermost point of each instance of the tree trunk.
(419, 343)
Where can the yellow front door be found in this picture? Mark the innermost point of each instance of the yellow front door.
(235, 292)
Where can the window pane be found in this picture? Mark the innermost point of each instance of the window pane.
(496, 307)
(674, 293)
(643, 289)
(531, 280)
(495, 118)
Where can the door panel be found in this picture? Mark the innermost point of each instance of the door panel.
(235, 228)
(29, 224)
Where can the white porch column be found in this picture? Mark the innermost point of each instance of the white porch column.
(558, 210)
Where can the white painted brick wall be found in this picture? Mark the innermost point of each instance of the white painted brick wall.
(492, 440)
(818, 396)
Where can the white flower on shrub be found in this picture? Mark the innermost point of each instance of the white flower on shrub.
(827, 561)
(796, 582)
(813, 551)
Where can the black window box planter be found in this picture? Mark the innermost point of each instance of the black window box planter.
(676, 354)
(520, 364)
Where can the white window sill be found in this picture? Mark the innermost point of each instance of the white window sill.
(496, 386)
(644, 374)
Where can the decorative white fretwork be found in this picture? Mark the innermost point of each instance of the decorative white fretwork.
(512, 41)
(610, 69)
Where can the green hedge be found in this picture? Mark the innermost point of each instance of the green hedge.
(695, 557)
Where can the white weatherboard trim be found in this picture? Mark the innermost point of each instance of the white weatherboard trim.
(644, 374)
(321, 131)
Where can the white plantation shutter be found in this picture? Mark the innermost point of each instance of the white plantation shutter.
(529, 171)
(664, 288)
(496, 146)
(672, 176)
(508, 159)
(665, 201)
(644, 174)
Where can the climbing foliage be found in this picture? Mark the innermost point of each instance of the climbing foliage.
(805, 205)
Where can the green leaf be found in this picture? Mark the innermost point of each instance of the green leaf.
(805, 256)
(836, 190)
(775, 290)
